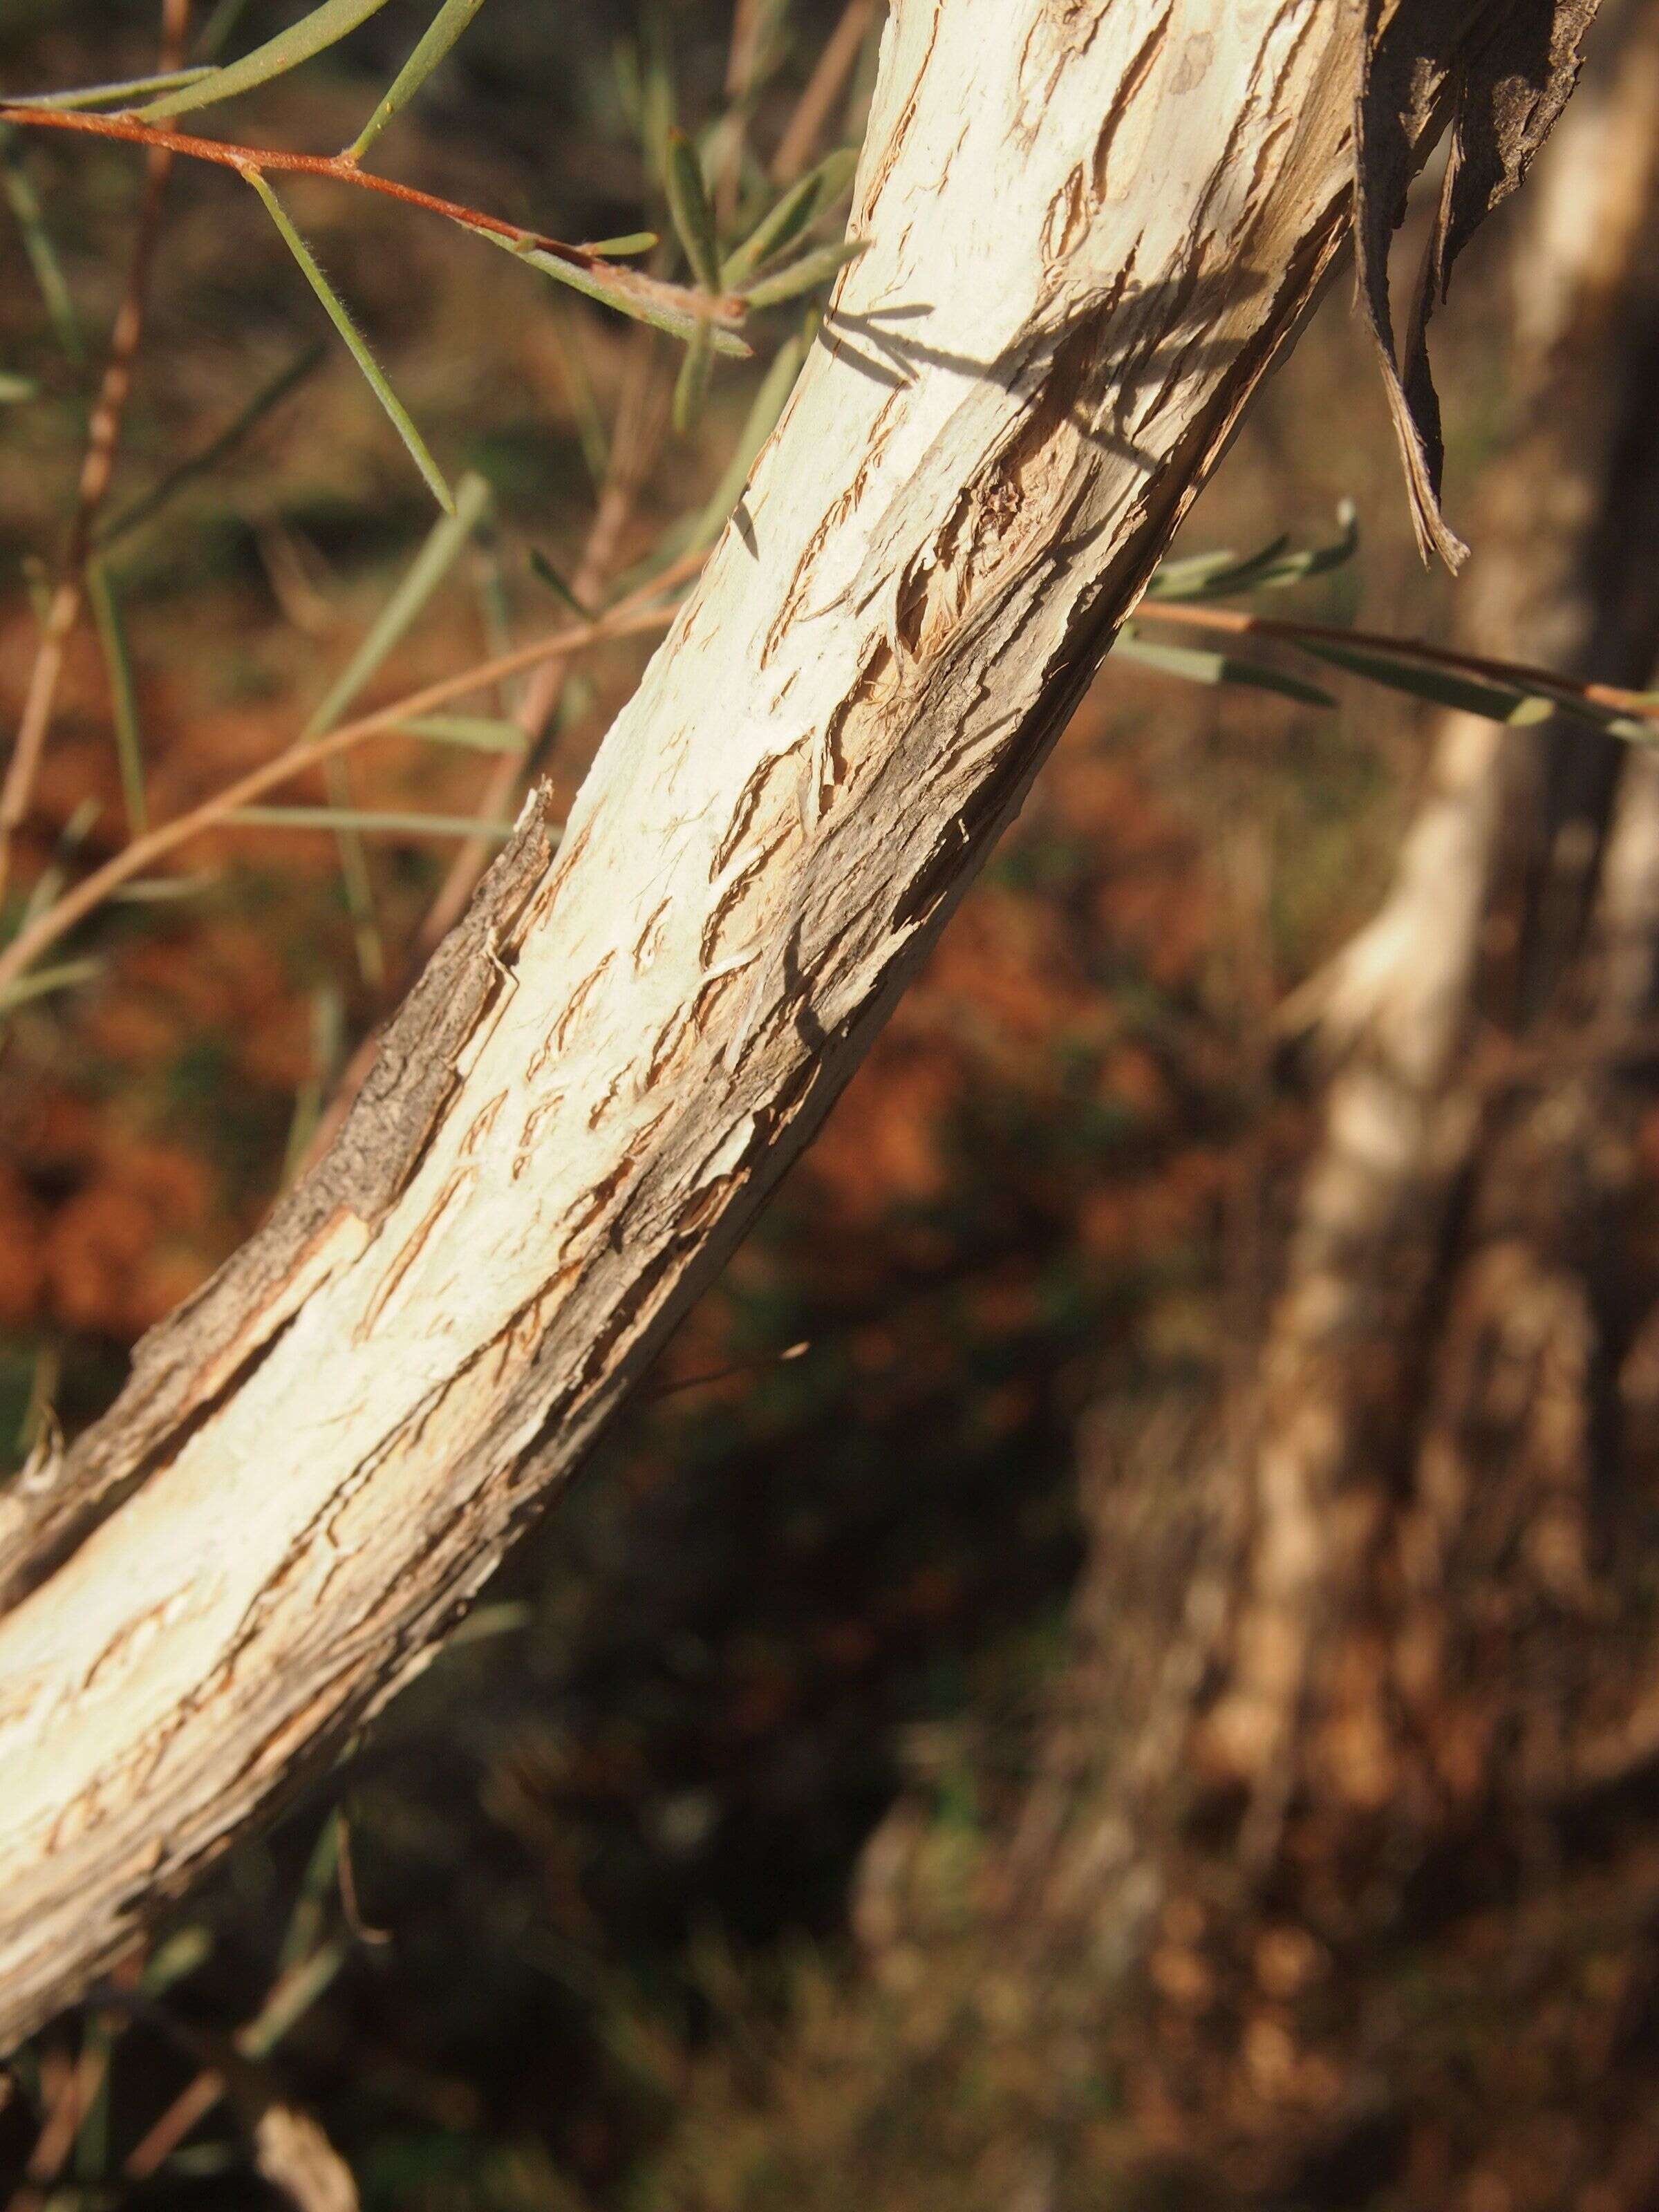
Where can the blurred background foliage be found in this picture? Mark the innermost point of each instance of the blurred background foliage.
(612, 1930)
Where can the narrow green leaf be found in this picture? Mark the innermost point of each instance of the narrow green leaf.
(15, 390)
(805, 275)
(123, 693)
(415, 586)
(43, 260)
(357, 345)
(768, 404)
(798, 208)
(657, 104)
(618, 249)
(445, 27)
(355, 880)
(481, 733)
(354, 819)
(107, 95)
(1467, 695)
(269, 396)
(689, 205)
(323, 27)
(628, 299)
(1318, 560)
(691, 386)
(1195, 666)
(1223, 574)
(41, 981)
(1212, 576)
(579, 388)
(545, 573)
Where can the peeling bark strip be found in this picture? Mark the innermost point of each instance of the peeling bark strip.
(1092, 221)
(1503, 70)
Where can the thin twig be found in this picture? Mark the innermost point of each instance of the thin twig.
(1516, 675)
(97, 467)
(339, 168)
(632, 617)
(822, 89)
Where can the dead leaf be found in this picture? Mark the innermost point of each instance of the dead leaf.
(1497, 73)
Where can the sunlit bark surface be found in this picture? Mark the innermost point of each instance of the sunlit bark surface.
(1090, 225)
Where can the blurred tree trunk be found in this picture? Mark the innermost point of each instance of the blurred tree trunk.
(1357, 1671)
(1091, 229)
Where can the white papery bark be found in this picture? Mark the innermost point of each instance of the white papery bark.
(1091, 222)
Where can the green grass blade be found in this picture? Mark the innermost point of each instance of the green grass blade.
(367, 821)
(799, 208)
(445, 27)
(123, 693)
(769, 403)
(16, 390)
(805, 275)
(269, 396)
(50, 281)
(323, 27)
(108, 95)
(358, 346)
(420, 579)
(1195, 666)
(480, 732)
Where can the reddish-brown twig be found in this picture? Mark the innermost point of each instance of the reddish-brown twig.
(339, 168)
(1509, 675)
(97, 467)
(824, 88)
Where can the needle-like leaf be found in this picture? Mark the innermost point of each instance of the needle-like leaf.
(769, 403)
(805, 275)
(358, 346)
(323, 27)
(419, 581)
(630, 293)
(43, 260)
(480, 732)
(1493, 703)
(1194, 666)
(123, 691)
(691, 386)
(270, 395)
(547, 573)
(689, 205)
(445, 27)
(798, 209)
(109, 95)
